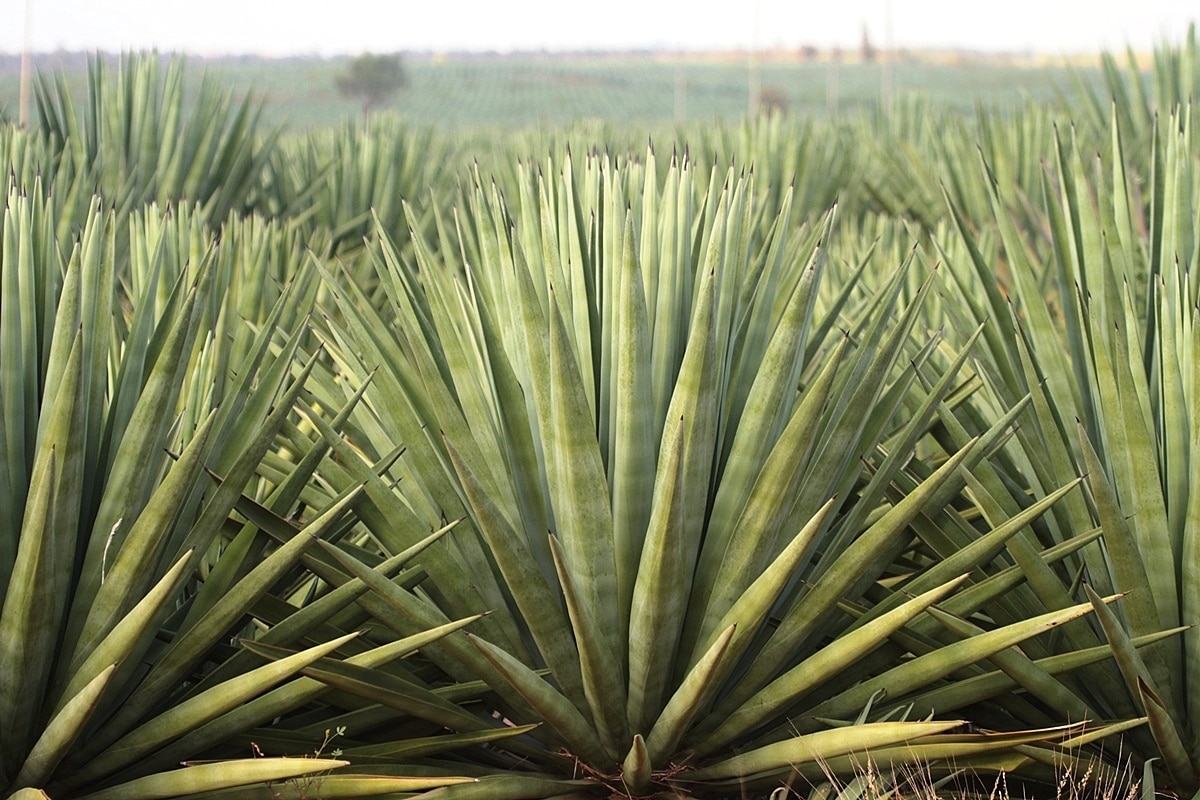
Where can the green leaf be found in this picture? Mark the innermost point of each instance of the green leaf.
(211, 777)
(202, 708)
(509, 787)
(822, 746)
(812, 672)
(416, 747)
(636, 768)
(693, 694)
(602, 684)
(557, 711)
(62, 731)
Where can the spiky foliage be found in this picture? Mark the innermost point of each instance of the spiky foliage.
(136, 139)
(743, 493)
(147, 374)
(1099, 327)
(354, 180)
(701, 490)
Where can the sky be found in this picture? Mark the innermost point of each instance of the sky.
(320, 27)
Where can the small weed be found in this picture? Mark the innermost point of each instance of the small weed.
(307, 787)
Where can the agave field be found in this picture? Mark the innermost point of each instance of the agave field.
(788, 457)
(643, 90)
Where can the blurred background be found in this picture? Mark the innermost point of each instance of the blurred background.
(537, 62)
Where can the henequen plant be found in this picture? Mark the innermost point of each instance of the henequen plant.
(137, 138)
(1100, 327)
(720, 547)
(124, 571)
(738, 512)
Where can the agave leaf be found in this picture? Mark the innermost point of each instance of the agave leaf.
(661, 564)
(751, 608)
(761, 423)
(1127, 567)
(129, 636)
(1163, 725)
(632, 455)
(768, 507)
(413, 747)
(301, 623)
(336, 786)
(382, 505)
(280, 700)
(214, 776)
(1065, 757)
(579, 488)
(509, 787)
(238, 450)
(62, 731)
(28, 793)
(996, 501)
(26, 624)
(979, 551)
(693, 694)
(602, 684)
(142, 543)
(822, 746)
(190, 647)
(541, 608)
(557, 711)
(1132, 456)
(1027, 675)
(978, 688)
(973, 598)
(388, 689)
(861, 409)
(200, 709)
(945, 660)
(942, 753)
(856, 562)
(636, 768)
(673, 537)
(246, 452)
(1050, 433)
(1062, 756)
(415, 614)
(806, 676)
(1131, 664)
(128, 479)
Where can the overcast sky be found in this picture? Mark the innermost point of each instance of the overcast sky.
(280, 27)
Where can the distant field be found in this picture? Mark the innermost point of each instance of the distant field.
(460, 92)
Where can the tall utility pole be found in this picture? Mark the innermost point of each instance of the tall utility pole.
(26, 67)
(889, 54)
(755, 69)
(680, 90)
(831, 82)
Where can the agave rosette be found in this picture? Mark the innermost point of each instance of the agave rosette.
(702, 496)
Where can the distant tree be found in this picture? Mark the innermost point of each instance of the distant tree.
(866, 50)
(772, 99)
(372, 78)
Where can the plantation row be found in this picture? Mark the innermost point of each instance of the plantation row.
(379, 462)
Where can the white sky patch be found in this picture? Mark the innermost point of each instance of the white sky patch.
(286, 27)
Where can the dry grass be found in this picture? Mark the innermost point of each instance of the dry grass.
(916, 782)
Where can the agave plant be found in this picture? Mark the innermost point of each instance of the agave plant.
(124, 570)
(349, 180)
(1099, 326)
(1140, 96)
(138, 139)
(720, 547)
(617, 477)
